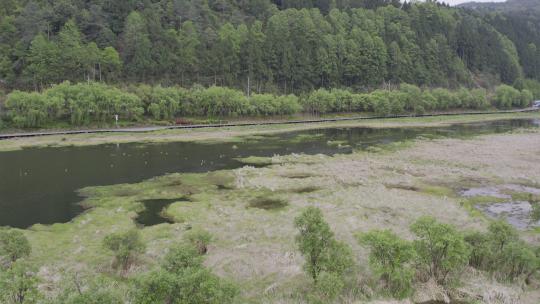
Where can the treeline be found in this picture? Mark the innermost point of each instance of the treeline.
(86, 103)
(263, 46)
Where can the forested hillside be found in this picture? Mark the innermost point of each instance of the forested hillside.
(275, 46)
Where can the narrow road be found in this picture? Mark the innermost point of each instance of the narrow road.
(242, 124)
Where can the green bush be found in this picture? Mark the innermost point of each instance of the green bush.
(126, 246)
(183, 280)
(441, 250)
(526, 98)
(167, 103)
(14, 245)
(506, 97)
(19, 284)
(412, 98)
(329, 285)
(317, 244)
(500, 251)
(31, 110)
(391, 257)
(379, 103)
(200, 239)
(182, 257)
(480, 246)
(319, 102)
(97, 291)
(517, 259)
(219, 101)
(479, 99)
(444, 99)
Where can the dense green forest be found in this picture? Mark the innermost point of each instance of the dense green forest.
(256, 47)
(275, 46)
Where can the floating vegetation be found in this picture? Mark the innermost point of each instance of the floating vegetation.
(268, 203)
(256, 161)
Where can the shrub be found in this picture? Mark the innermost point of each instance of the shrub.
(183, 280)
(343, 101)
(31, 110)
(319, 102)
(182, 257)
(167, 103)
(19, 284)
(288, 104)
(390, 258)
(479, 99)
(441, 250)
(444, 99)
(501, 234)
(97, 291)
(506, 97)
(379, 103)
(318, 246)
(413, 101)
(526, 98)
(126, 246)
(219, 101)
(199, 239)
(87, 102)
(329, 286)
(479, 243)
(14, 245)
(515, 260)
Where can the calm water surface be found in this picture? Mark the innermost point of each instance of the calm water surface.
(40, 185)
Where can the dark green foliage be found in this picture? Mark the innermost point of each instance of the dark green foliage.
(441, 250)
(500, 252)
(125, 246)
(255, 46)
(96, 290)
(322, 252)
(19, 284)
(183, 280)
(391, 258)
(508, 97)
(80, 103)
(13, 245)
(200, 239)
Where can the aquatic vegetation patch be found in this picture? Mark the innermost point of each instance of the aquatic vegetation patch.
(256, 161)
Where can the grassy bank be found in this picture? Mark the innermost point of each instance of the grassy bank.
(233, 133)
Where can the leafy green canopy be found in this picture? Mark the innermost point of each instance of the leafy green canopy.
(263, 46)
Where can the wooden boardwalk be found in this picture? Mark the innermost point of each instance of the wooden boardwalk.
(243, 124)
